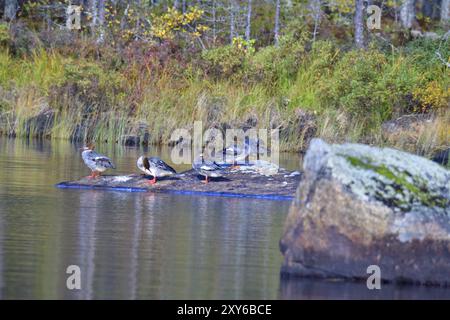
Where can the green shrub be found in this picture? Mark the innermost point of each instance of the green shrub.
(314, 72)
(368, 85)
(224, 62)
(272, 64)
(4, 34)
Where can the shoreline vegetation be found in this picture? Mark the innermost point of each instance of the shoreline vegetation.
(136, 88)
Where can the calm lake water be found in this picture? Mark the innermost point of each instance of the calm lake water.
(142, 245)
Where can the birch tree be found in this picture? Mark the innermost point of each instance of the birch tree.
(315, 9)
(427, 8)
(214, 21)
(407, 13)
(94, 13)
(445, 11)
(11, 7)
(232, 20)
(101, 20)
(249, 20)
(359, 24)
(276, 29)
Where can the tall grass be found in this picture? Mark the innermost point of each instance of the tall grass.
(339, 96)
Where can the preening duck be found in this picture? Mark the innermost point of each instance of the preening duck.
(154, 167)
(207, 168)
(96, 162)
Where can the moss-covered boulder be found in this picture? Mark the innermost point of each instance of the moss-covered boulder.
(359, 205)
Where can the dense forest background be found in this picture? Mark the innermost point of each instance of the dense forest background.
(133, 71)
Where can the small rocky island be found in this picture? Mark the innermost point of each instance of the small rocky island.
(248, 181)
(358, 206)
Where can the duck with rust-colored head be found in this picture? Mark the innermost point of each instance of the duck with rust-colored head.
(96, 162)
(154, 167)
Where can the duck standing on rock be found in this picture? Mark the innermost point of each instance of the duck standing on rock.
(154, 167)
(233, 154)
(96, 162)
(207, 168)
(251, 147)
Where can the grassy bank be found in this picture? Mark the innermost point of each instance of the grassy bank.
(305, 89)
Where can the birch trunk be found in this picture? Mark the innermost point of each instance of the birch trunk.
(249, 20)
(276, 29)
(407, 13)
(232, 22)
(11, 7)
(445, 12)
(359, 24)
(315, 8)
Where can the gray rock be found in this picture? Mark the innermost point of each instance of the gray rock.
(130, 140)
(138, 134)
(410, 122)
(359, 205)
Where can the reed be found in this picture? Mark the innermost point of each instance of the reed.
(89, 100)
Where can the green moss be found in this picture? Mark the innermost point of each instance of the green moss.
(418, 190)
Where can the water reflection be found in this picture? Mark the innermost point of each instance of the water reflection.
(2, 232)
(143, 245)
(127, 245)
(322, 289)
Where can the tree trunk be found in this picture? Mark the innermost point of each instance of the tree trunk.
(427, 8)
(232, 22)
(315, 8)
(249, 20)
(214, 29)
(445, 11)
(407, 13)
(436, 8)
(183, 6)
(101, 12)
(123, 21)
(93, 10)
(276, 29)
(11, 7)
(359, 24)
(101, 20)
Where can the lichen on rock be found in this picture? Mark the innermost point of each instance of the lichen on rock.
(359, 205)
(402, 181)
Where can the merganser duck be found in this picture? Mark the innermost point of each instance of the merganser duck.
(238, 154)
(207, 168)
(96, 162)
(154, 167)
(234, 154)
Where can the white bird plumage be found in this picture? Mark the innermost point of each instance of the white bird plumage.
(207, 168)
(243, 154)
(96, 162)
